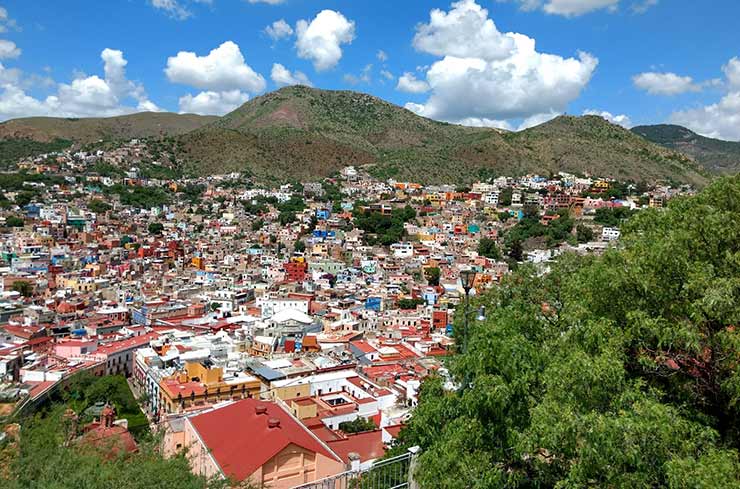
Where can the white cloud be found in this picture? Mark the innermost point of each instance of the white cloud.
(621, 119)
(8, 49)
(364, 77)
(732, 72)
(409, 83)
(478, 122)
(382, 56)
(536, 120)
(283, 77)
(575, 8)
(173, 8)
(719, 120)
(387, 74)
(643, 6)
(464, 32)
(665, 83)
(321, 39)
(505, 79)
(279, 30)
(212, 103)
(6, 23)
(221, 70)
(85, 96)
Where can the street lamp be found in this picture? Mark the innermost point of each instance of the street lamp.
(467, 277)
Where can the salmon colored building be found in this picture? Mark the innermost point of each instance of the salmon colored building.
(256, 441)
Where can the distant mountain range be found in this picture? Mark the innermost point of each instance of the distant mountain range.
(302, 133)
(715, 155)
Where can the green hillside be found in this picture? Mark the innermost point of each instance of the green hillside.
(301, 132)
(714, 154)
(88, 130)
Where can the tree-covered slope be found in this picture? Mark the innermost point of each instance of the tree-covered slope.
(300, 132)
(618, 371)
(714, 154)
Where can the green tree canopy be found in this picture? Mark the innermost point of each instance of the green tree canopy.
(487, 247)
(617, 371)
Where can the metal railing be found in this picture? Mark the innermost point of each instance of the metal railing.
(391, 473)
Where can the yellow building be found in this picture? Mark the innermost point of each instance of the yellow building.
(199, 385)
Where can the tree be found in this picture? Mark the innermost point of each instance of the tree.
(257, 225)
(14, 222)
(299, 246)
(504, 196)
(358, 425)
(614, 371)
(155, 228)
(432, 275)
(487, 247)
(516, 251)
(407, 304)
(98, 206)
(23, 287)
(286, 217)
(584, 234)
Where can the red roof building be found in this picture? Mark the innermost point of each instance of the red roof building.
(258, 441)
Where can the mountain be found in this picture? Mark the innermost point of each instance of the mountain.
(301, 132)
(714, 154)
(88, 130)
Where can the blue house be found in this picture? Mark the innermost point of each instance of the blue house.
(373, 303)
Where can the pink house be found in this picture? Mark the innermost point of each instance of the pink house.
(75, 348)
(253, 440)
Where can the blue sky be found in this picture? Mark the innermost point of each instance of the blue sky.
(633, 61)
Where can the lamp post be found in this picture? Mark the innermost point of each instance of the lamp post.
(467, 277)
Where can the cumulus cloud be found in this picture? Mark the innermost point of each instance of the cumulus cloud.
(481, 122)
(410, 84)
(282, 76)
(212, 103)
(665, 83)
(732, 72)
(8, 49)
(321, 39)
(486, 74)
(279, 30)
(719, 120)
(382, 56)
(537, 119)
(621, 119)
(464, 32)
(85, 96)
(221, 70)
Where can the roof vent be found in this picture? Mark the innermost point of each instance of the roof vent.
(273, 423)
(260, 409)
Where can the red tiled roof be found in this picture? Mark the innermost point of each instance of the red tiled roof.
(394, 430)
(230, 434)
(368, 445)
